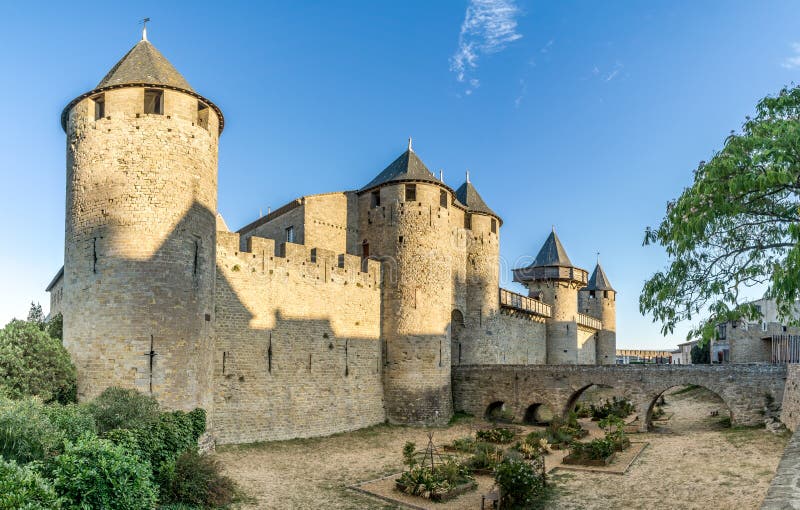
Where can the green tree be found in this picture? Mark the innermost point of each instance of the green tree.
(735, 227)
(36, 316)
(701, 354)
(32, 363)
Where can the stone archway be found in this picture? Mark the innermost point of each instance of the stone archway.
(538, 414)
(647, 423)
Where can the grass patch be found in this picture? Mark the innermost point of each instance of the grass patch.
(460, 417)
(371, 432)
(686, 389)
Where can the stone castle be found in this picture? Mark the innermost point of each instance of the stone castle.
(334, 312)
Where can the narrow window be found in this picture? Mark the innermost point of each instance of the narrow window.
(202, 115)
(605, 294)
(290, 234)
(494, 226)
(591, 294)
(411, 192)
(468, 221)
(376, 198)
(99, 106)
(154, 101)
(443, 199)
(365, 249)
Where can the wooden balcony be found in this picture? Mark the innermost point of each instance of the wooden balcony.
(520, 303)
(589, 322)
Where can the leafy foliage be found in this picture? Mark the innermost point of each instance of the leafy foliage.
(735, 227)
(485, 456)
(499, 435)
(519, 483)
(22, 488)
(596, 449)
(619, 407)
(26, 432)
(32, 363)
(198, 480)
(434, 483)
(122, 408)
(701, 354)
(95, 473)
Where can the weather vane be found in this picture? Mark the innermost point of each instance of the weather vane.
(144, 28)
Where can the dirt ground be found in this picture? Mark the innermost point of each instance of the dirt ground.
(692, 462)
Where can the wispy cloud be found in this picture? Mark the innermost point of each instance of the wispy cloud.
(488, 27)
(793, 61)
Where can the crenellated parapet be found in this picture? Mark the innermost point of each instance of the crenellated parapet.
(317, 265)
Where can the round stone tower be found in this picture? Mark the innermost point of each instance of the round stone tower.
(483, 257)
(599, 299)
(554, 280)
(404, 219)
(139, 262)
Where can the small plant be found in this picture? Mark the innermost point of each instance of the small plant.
(614, 429)
(464, 444)
(409, 451)
(519, 483)
(499, 435)
(597, 449)
(620, 407)
(434, 482)
(486, 457)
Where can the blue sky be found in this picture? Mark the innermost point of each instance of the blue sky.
(588, 116)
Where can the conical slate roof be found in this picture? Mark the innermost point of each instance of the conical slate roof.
(408, 167)
(144, 64)
(599, 280)
(552, 253)
(468, 195)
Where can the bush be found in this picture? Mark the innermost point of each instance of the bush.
(95, 473)
(121, 408)
(73, 420)
(198, 480)
(434, 483)
(23, 488)
(619, 407)
(519, 483)
(464, 444)
(26, 432)
(32, 363)
(500, 435)
(596, 449)
(486, 456)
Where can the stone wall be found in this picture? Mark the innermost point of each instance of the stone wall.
(744, 388)
(298, 349)
(784, 491)
(503, 339)
(747, 341)
(790, 408)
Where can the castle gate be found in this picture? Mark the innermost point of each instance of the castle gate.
(745, 388)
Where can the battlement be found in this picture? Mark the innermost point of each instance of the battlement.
(265, 256)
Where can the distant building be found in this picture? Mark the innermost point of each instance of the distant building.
(643, 357)
(684, 354)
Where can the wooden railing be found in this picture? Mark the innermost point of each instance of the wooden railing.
(785, 349)
(522, 303)
(589, 322)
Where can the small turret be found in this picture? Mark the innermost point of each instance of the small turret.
(483, 256)
(553, 279)
(598, 299)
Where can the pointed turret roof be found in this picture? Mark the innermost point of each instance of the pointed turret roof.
(552, 253)
(144, 65)
(599, 280)
(407, 167)
(469, 196)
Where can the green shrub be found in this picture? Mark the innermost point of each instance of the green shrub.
(95, 473)
(464, 444)
(596, 449)
(73, 420)
(21, 488)
(409, 454)
(519, 483)
(32, 363)
(500, 435)
(26, 432)
(122, 408)
(433, 483)
(619, 407)
(198, 480)
(485, 456)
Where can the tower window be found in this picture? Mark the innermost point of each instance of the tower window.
(202, 115)
(154, 101)
(605, 294)
(99, 106)
(591, 294)
(467, 221)
(411, 192)
(443, 199)
(290, 234)
(494, 226)
(375, 198)
(365, 249)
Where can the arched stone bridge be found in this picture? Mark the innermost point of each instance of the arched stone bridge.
(745, 388)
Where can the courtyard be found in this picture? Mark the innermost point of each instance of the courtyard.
(693, 460)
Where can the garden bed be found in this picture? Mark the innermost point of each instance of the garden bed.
(442, 496)
(584, 461)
